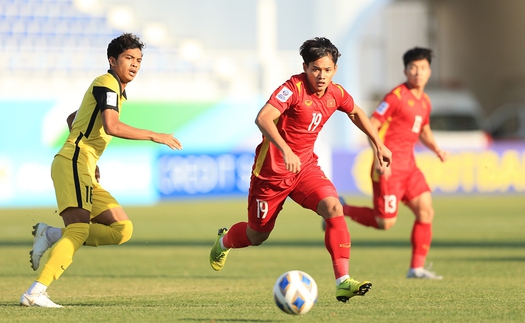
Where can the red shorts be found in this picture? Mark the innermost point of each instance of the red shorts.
(400, 186)
(266, 197)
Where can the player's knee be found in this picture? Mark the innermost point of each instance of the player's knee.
(385, 224)
(330, 207)
(337, 209)
(425, 216)
(124, 230)
(258, 239)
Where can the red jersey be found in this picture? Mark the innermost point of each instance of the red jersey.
(402, 116)
(303, 115)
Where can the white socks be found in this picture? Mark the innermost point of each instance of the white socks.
(53, 234)
(36, 288)
(341, 279)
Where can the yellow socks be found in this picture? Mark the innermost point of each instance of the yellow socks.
(61, 255)
(113, 234)
(74, 236)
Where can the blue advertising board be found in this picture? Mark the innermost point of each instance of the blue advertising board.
(201, 175)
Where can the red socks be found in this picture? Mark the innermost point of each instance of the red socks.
(236, 236)
(421, 238)
(363, 215)
(337, 242)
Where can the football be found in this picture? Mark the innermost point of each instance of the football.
(295, 292)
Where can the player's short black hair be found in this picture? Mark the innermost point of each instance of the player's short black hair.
(417, 54)
(122, 43)
(315, 48)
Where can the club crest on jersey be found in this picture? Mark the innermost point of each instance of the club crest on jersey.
(330, 103)
(411, 102)
(308, 103)
(284, 94)
(111, 99)
(382, 107)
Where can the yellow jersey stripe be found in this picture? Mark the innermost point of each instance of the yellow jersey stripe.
(262, 154)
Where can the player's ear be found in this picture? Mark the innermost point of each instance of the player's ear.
(112, 61)
(305, 67)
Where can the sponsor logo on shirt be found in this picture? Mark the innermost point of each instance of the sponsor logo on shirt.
(284, 94)
(330, 103)
(382, 107)
(111, 99)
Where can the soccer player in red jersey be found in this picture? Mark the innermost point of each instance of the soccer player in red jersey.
(286, 165)
(402, 118)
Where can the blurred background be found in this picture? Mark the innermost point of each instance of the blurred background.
(209, 66)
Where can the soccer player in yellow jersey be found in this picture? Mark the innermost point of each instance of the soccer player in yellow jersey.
(91, 215)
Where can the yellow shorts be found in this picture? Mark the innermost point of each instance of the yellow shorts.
(76, 186)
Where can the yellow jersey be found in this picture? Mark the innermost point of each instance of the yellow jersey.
(87, 137)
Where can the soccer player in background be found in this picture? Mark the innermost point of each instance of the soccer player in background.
(91, 215)
(401, 119)
(286, 165)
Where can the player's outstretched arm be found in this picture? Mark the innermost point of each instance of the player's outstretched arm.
(359, 118)
(427, 138)
(266, 122)
(114, 127)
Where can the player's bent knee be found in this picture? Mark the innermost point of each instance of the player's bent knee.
(426, 216)
(124, 229)
(257, 240)
(385, 224)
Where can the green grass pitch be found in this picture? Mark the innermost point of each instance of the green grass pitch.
(163, 274)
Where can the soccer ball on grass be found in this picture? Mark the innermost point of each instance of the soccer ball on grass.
(295, 292)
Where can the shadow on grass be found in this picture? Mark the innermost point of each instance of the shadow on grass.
(502, 259)
(224, 320)
(310, 243)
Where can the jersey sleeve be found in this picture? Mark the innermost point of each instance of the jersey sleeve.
(386, 108)
(284, 96)
(346, 103)
(106, 94)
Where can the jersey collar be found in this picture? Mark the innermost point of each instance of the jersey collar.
(123, 93)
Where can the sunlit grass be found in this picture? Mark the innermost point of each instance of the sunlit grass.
(163, 274)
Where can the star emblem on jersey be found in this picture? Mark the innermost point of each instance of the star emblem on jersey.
(330, 103)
